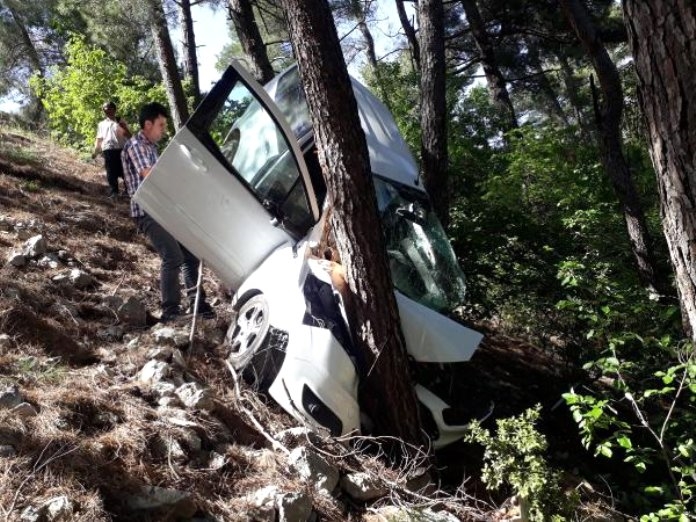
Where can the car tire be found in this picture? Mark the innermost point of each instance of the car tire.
(256, 347)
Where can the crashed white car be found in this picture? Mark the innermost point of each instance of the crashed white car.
(241, 187)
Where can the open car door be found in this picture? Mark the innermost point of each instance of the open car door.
(232, 185)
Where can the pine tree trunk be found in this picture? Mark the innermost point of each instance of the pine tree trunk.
(494, 78)
(431, 19)
(387, 394)
(250, 39)
(610, 143)
(167, 65)
(662, 34)
(188, 44)
(410, 33)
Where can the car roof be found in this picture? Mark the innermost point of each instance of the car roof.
(389, 154)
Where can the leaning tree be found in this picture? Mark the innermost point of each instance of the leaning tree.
(387, 396)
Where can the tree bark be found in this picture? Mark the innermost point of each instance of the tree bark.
(188, 44)
(387, 395)
(431, 19)
(250, 39)
(494, 78)
(610, 143)
(167, 65)
(662, 34)
(410, 33)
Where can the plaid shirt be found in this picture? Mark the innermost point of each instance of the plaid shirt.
(138, 154)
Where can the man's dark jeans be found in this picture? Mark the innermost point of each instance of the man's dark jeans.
(174, 256)
(113, 167)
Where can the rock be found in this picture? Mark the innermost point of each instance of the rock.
(160, 353)
(7, 451)
(314, 468)
(32, 514)
(165, 389)
(10, 397)
(264, 502)
(133, 312)
(193, 395)
(169, 402)
(16, 259)
(362, 487)
(297, 435)
(5, 341)
(405, 514)
(25, 410)
(81, 279)
(153, 498)
(48, 261)
(59, 508)
(293, 507)
(133, 343)
(154, 371)
(172, 336)
(112, 333)
(216, 461)
(34, 246)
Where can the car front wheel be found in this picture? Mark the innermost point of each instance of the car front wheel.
(256, 347)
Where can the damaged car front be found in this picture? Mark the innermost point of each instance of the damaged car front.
(240, 186)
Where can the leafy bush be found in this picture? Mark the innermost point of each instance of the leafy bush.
(73, 94)
(647, 416)
(515, 457)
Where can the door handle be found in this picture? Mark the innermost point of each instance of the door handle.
(194, 158)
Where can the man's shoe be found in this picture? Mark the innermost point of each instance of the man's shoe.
(204, 310)
(170, 314)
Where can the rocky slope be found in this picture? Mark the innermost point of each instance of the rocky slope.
(107, 415)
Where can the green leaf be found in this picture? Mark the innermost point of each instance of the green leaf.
(624, 442)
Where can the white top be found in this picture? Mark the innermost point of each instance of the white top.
(107, 131)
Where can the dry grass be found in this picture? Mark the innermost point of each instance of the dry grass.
(100, 435)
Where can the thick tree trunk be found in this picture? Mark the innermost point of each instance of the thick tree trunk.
(431, 19)
(167, 65)
(250, 39)
(610, 143)
(188, 44)
(388, 395)
(662, 34)
(494, 78)
(410, 33)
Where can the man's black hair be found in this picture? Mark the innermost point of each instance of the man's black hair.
(150, 112)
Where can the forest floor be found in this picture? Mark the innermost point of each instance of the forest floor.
(95, 434)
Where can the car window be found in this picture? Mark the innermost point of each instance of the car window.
(253, 144)
(290, 99)
(422, 263)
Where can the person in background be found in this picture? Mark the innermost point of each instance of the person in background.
(139, 156)
(112, 134)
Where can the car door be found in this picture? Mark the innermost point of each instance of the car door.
(232, 185)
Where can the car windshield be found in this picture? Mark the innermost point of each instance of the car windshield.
(422, 262)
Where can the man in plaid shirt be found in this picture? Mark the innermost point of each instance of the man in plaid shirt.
(139, 156)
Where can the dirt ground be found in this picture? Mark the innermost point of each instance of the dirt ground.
(95, 433)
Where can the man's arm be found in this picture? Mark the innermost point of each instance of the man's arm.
(122, 130)
(97, 147)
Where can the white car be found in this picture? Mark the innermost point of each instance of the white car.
(241, 187)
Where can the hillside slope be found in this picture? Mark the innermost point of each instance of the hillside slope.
(105, 415)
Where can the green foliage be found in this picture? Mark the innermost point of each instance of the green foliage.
(73, 95)
(515, 457)
(647, 418)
